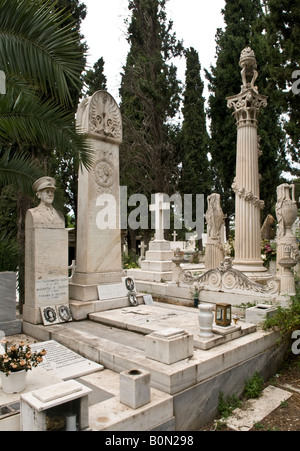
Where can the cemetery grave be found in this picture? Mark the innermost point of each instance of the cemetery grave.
(117, 360)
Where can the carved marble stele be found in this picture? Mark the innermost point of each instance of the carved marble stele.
(214, 252)
(98, 247)
(46, 254)
(246, 106)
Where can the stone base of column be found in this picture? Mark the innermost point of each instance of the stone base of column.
(255, 270)
(84, 287)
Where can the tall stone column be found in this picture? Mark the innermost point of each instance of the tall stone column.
(246, 106)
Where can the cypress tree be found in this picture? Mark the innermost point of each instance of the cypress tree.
(196, 177)
(95, 78)
(150, 98)
(282, 19)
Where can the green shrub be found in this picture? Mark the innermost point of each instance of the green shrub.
(254, 386)
(226, 407)
(286, 320)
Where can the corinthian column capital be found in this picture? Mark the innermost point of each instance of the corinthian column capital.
(248, 102)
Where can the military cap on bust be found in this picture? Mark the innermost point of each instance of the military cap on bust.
(44, 183)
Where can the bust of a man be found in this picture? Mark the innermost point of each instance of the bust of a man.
(45, 215)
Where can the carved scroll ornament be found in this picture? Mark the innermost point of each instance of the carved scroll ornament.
(227, 279)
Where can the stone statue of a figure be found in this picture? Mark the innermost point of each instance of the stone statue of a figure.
(214, 217)
(45, 215)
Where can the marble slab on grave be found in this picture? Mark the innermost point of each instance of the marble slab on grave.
(112, 291)
(64, 363)
(220, 330)
(148, 299)
(222, 335)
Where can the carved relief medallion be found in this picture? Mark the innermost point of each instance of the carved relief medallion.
(105, 174)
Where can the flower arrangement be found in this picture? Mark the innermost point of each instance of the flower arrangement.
(195, 290)
(19, 357)
(229, 247)
(268, 252)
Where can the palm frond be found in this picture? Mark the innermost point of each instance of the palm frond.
(20, 171)
(27, 119)
(9, 252)
(34, 41)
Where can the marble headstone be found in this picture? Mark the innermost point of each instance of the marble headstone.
(9, 324)
(46, 255)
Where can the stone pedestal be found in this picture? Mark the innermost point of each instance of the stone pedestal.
(260, 313)
(46, 271)
(135, 388)
(60, 407)
(158, 265)
(98, 248)
(169, 346)
(246, 106)
(287, 278)
(46, 261)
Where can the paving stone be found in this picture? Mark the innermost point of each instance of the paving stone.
(243, 419)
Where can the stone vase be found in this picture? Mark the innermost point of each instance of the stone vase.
(14, 382)
(289, 213)
(206, 318)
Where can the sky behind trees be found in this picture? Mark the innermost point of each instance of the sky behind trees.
(104, 29)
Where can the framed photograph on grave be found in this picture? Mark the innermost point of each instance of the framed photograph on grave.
(49, 315)
(129, 283)
(132, 299)
(64, 313)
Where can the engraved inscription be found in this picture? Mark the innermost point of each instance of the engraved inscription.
(55, 289)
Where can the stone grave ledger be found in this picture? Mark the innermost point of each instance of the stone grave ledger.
(98, 250)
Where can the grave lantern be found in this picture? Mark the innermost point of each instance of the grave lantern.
(223, 315)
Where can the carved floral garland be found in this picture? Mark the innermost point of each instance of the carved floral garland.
(247, 195)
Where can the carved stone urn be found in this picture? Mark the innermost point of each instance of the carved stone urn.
(289, 213)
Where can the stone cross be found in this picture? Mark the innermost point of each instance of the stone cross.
(174, 235)
(159, 207)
